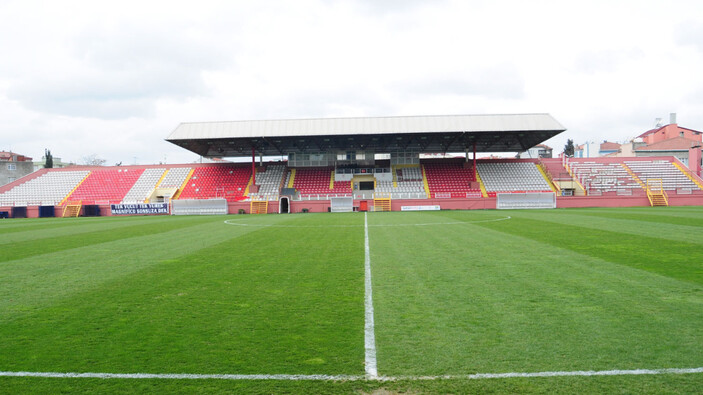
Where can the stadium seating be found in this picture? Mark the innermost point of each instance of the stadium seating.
(404, 188)
(672, 178)
(106, 185)
(556, 169)
(316, 181)
(409, 174)
(221, 181)
(269, 182)
(175, 177)
(48, 189)
(408, 184)
(144, 185)
(445, 179)
(450, 179)
(603, 177)
(512, 177)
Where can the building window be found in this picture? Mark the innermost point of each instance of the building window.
(11, 166)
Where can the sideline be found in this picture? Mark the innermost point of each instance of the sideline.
(325, 377)
(369, 333)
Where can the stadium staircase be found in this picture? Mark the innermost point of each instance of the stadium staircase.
(556, 174)
(72, 209)
(547, 176)
(696, 180)
(655, 193)
(290, 178)
(633, 175)
(484, 192)
(182, 186)
(144, 186)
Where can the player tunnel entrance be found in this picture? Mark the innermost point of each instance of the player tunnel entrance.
(284, 205)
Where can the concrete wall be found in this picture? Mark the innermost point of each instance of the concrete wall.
(21, 169)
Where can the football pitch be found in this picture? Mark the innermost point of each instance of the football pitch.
(502, 301)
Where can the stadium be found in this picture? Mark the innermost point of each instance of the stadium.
(332, 165)
(384, 265)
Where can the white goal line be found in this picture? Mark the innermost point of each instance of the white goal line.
(325, 377)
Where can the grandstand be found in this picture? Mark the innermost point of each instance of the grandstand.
(324, 163)
(451, 183)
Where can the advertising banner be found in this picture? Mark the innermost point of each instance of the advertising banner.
(139, 209)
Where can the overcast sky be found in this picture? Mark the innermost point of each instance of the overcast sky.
(114, 79)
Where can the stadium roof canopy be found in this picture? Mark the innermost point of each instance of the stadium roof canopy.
(425, 134)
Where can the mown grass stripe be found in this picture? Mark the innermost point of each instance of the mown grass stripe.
(74, 227)
(90, 237)
(638, 227)
(676, 259)
(654, 219)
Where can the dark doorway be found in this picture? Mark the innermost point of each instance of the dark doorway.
(283, 205)
(366, 186)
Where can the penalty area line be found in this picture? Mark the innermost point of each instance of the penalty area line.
(235, 223)
(326, 377)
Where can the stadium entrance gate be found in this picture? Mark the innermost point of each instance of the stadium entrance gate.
(284, 205)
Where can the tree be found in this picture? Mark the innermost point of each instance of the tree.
(49, 159)
(93, 160)
(569, 148)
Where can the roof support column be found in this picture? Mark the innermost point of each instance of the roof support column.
(475, 178)
(253, 166)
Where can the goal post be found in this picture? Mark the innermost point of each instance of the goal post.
(526, 200)
(341, 204)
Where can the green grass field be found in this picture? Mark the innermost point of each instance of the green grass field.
(455, 293)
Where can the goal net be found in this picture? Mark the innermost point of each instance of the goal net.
(341, 204)
(526, 200)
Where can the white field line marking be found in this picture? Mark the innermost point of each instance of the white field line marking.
(369, 335)
(230, 222)
(325, 377)
(183, 376)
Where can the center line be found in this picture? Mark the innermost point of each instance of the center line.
(369, 335)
